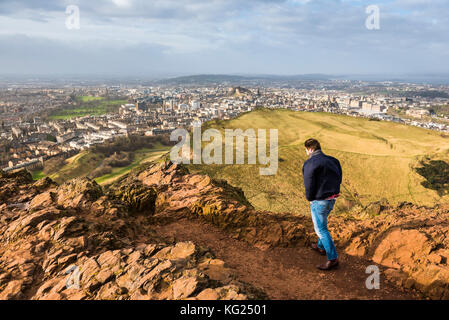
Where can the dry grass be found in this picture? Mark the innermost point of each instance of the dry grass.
(378, 159)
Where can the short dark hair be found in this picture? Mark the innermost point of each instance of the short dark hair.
(312, 144)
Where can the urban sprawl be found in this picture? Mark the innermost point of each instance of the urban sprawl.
(33, 135)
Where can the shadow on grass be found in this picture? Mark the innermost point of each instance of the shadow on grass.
(436, 173)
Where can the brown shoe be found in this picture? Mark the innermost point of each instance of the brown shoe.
(328, 265)
(317, 249)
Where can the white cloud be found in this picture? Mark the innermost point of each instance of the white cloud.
(122, 3)
(285, 35)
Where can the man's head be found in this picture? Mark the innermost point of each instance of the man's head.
(312, 145)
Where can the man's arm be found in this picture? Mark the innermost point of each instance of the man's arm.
(341, 171)
(309, 181)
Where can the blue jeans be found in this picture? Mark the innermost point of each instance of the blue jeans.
(320, 210)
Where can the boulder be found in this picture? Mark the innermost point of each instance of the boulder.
(78, 193)
(402, 248)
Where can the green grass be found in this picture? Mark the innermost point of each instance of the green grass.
(141, 156)
(379, 159)
(89, 98)
(88, 106)
(77, 166)
(37, 175)
(87, 161)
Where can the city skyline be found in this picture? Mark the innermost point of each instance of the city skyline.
(165, 38)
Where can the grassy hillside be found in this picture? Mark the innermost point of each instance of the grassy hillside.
(37, 175)
(87, 106)
(108, 161)
(379, 159)
(80, 165)
(142, 156)
(84, 163)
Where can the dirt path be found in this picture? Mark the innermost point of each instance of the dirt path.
(284, 273)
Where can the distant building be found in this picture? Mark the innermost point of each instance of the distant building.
(418, 113)
(141, 106)
(355, 104)
(65, 137)
(183, 107)
(127, 109)
(17, 131)
(371, 107)
(195, 105)
(156, 131)
(119, 124)
(92, 126)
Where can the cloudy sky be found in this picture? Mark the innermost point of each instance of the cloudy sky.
(168, 37)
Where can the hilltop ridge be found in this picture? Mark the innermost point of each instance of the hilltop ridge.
(149, 236)
(380, 160)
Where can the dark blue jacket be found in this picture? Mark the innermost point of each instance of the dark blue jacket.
(322, 176)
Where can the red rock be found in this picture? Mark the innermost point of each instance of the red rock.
(181, 250)
(42, 201)
(184, 287)
(402, 247)
(13, 290)
(208, 294)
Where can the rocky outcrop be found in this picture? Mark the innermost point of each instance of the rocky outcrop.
(75, 242)
(78, 241)
(412, 241)
(17, 187)
(137, 197)
(180, 193)
(78, 193)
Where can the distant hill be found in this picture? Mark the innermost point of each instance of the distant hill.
(217, 79)
(380, 160)
(203, 79)
(239, 91)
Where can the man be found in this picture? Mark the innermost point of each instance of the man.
(322, 179)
